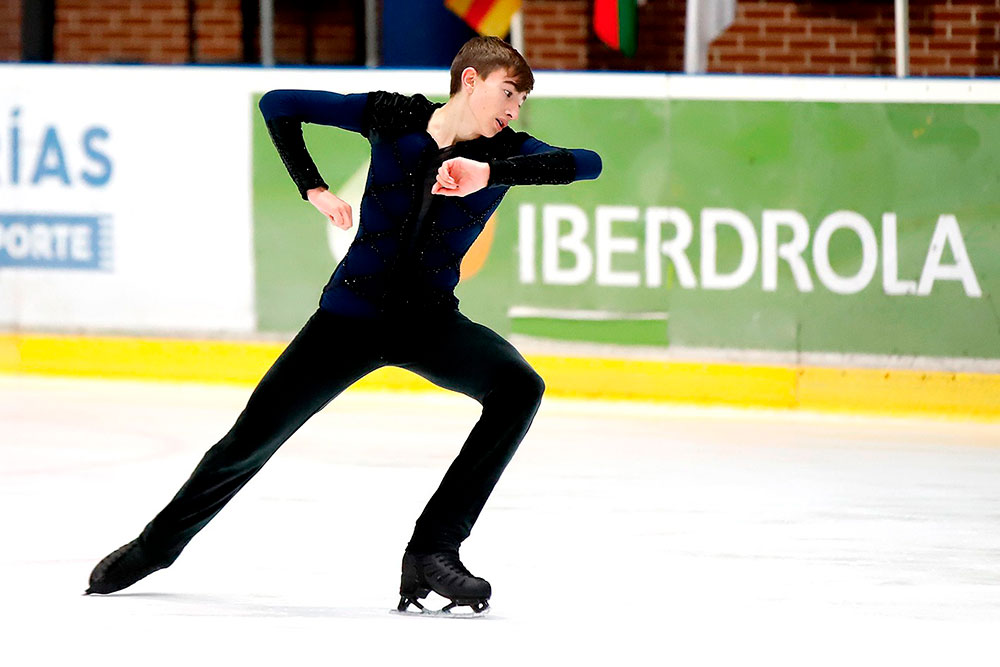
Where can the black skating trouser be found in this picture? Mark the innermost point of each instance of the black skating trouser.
(328, 355)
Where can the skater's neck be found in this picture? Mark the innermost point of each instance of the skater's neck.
(453, 122)
(482, 107)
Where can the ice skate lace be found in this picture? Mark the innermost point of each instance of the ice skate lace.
(452, 565)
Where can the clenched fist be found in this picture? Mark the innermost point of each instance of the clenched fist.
(461, 176)
(333, 207)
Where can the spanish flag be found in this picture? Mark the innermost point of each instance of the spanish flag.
(616, 24)
(487, 17)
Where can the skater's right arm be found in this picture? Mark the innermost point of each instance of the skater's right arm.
(284, 112)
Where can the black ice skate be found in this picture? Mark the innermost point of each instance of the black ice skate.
(444, 574)
(122, 568)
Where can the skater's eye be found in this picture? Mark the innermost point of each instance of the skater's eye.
(507, 93)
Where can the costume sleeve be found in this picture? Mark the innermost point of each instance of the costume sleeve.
(284, 112)
(539, 163)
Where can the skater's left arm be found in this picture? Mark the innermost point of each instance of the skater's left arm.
(537, 164)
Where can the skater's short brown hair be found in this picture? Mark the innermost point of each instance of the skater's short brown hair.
(487, 55)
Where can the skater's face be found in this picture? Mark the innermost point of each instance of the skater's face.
(495, 101)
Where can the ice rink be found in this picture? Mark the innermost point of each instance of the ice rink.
(620, 534)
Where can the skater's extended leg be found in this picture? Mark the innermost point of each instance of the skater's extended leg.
(307, 375)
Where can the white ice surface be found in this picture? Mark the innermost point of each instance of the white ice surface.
(620, 534)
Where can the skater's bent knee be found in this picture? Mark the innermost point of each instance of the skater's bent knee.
(534, 386)
(521, 387)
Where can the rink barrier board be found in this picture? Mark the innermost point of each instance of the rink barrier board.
(868, 391)
(938, 132)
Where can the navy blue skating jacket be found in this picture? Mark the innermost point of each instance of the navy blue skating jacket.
(409, 244)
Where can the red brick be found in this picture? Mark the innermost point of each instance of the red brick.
(92, 20)
(963, 31)
(540, 39)
(10, 30)
(955, 14)
(758, 43)
(810, 68)
(571, 28)
(738, 28)
(933, 71)
(863, 58)
(825, 27)
(115, 35)
(830, 58)
(808, 43)
(758, 13)
(538, 9)
(758, 68)
(799, 27)
(727, 41)
(557, 53)
(855, 43)
(946, 47)
(971, 60)
(571, 7)
(796, 57)
(917, 60)
(737, 54)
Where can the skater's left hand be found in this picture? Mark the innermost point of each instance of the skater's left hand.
(461, 176)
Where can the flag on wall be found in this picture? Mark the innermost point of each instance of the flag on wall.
(615, 23)
(487, 17)
(705, 20)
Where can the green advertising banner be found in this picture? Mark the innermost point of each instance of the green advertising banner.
(823, 227)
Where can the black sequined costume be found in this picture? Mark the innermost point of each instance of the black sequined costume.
(409, 243)
(389, 302)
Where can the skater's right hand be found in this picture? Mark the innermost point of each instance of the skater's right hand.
(333, 207)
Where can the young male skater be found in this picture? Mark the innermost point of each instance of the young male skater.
(437, 173)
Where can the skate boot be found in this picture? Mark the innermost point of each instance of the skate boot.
(443, 573)
(122, 568)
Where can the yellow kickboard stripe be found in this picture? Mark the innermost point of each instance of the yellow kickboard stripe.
(902, 392)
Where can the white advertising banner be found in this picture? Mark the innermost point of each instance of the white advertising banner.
(124, 201)
(125, 193)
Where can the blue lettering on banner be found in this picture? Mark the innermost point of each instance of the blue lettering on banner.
(52, 155)
(52, 241)
(47, 167)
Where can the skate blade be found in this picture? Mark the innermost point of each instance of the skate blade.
(411, 607)
(441, 613)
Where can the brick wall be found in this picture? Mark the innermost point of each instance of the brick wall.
(559, 34)
(332, 41)
(160, 31)
(947, 38)
(132, 31)
(10, 30)
(556, 33)
(218, 31)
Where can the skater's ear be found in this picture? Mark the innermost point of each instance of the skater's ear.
(470, 78)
